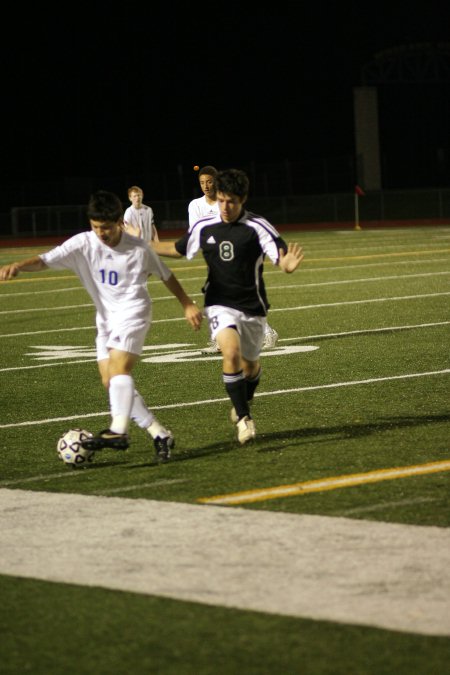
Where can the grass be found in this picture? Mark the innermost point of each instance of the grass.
(373, 394)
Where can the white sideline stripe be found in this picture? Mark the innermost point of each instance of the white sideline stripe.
(390, 576)
(82, 306)
(332, 483)
(276, 309)
(266, 273)
(305, 337)
(382, 506)
(357, 281)
(297, 285)
(363, 331)
(277, 392)
(358, 302)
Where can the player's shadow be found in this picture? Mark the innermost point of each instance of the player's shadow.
(270, 442)
(346, 431)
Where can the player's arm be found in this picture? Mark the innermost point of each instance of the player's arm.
(134, 230)
(165, 248)
(191, 311)
(289, 260)
(155, 236)
(35, 264)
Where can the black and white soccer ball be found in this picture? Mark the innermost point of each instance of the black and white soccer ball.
(69, 447)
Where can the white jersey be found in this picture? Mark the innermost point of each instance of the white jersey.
(199, 208)
(142, 218)
(115, 278)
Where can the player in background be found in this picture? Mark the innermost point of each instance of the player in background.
(139, 219)
(206, 206)
(234, 245)
(114, 268)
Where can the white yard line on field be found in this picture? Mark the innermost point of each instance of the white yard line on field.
(278, 392)
(391, 576)
(267, 271)
(417, 296)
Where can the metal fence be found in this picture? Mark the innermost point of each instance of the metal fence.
(401, 205)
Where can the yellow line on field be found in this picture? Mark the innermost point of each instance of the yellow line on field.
(323, 484)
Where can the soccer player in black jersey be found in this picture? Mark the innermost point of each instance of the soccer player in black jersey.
(234, 245)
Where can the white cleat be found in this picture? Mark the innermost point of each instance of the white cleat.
(212, 348)
(245, 430)
(270, 338)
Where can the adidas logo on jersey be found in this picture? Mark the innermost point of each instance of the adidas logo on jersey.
(211, 240)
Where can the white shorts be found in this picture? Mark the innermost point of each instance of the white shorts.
(124, 333)
(250, 328)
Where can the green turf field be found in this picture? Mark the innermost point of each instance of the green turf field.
(357, 387)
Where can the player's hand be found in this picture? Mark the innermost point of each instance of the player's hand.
(193, 315)
(134, 230)
(290, 260)
(9, 271)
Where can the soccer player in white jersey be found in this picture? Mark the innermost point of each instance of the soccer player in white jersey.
(139, 219)
(206, 206)
(114, 268)
(234, 245)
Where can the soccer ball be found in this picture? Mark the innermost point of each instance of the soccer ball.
(69, 447)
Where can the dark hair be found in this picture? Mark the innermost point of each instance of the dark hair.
(208, 170)
(105, 207)
(232, 182)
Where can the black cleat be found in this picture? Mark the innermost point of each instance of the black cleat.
(106, 439)
(163, 447)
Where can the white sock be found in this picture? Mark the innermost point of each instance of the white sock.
(140, 413)
(121, 395)
(156, 429)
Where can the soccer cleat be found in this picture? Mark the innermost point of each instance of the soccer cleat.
(270, 338)
(212, 348)
(245, 430)
(106, 439)
(163, 446)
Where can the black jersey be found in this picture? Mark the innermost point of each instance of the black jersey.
(234, 253)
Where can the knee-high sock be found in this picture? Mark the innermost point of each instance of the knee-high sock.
(236, 387)
(252, 383)
(145, 419)
(140, 413)
(121, 395)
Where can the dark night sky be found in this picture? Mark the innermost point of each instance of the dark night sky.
(96, 91)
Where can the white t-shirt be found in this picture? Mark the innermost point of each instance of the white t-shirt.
(115, 278)
(142, 218)
(199, 208)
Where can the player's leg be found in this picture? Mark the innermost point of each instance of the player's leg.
(251, 334)
(115, 366)
(115, 373)
(225, 326)
(163, 439)
(121, 389)
(229, 342)
(252, 371)
(132, 334)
